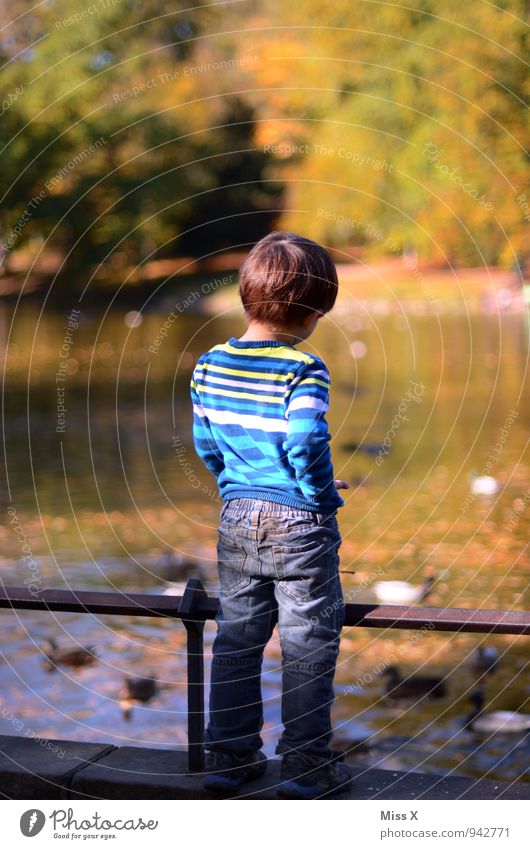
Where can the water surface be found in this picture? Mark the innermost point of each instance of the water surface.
(100, 502)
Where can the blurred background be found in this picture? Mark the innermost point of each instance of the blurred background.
(144, 149)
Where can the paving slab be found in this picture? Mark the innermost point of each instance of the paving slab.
(38, 768)
(139, 774)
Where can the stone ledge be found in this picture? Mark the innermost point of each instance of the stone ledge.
(33, 770)
(28, 770)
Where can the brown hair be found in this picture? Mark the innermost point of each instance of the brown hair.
(286, 276)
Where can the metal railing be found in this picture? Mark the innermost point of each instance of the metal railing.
(195, 607)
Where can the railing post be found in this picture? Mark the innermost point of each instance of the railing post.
(195, 661)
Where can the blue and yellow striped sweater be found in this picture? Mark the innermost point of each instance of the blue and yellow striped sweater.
(259, 423)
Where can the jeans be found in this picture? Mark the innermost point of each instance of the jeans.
(277, 565)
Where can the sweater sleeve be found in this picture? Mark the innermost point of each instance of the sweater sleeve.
(204, 442)
(307, 441)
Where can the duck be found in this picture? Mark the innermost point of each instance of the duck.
(359, 481)
(398, 689)
(351, 389)
(372, 449)
(485, 660)
(403, 592)
(138, 689)
(176, 568)
(483, 484)
(74, 656)
(495, 721)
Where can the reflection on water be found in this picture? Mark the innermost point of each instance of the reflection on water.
(101, 502)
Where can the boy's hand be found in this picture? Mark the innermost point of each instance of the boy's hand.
(339, 484)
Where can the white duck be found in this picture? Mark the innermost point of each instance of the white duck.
(403, 592)
(175, 588)
(495, 721)
(483, 484)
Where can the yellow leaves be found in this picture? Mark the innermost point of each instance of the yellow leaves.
(270, 50)
(272, 133)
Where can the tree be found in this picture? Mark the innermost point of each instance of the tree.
(119, 130)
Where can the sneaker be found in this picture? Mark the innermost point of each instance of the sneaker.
(303, 778)
(230, 771)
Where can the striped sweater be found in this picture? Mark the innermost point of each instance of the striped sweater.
(259, 423)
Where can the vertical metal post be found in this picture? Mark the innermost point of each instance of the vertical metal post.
(195, 661)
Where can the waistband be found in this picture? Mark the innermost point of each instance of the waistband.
(243, 506)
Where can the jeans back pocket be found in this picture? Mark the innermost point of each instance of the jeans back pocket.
(231, 561)
(306, 565)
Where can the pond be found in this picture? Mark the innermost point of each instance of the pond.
(104, 491)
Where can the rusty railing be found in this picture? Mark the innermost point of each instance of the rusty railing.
(195, 607)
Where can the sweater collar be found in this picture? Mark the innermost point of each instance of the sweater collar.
(257, 343)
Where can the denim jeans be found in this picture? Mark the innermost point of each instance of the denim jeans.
(277, 565)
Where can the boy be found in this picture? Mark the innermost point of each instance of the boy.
(259, 426)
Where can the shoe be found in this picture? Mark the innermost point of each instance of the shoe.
(304, 778)
(230, 771)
